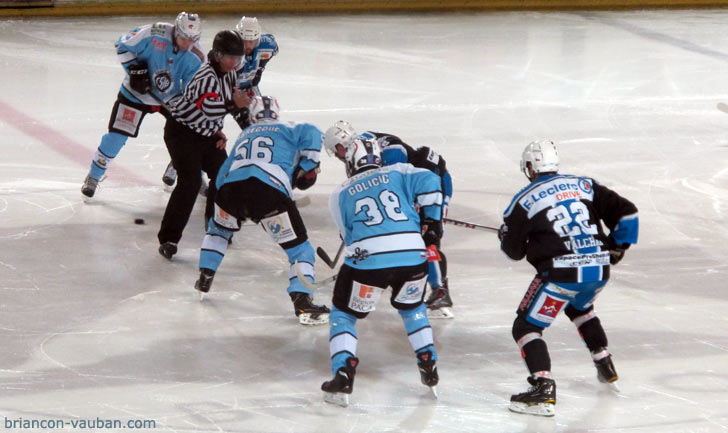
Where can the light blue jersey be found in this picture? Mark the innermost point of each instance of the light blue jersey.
(169, 68)
(271, 151)
(252, 66)
(376, 215)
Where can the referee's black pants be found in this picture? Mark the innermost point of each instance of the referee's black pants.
(190, 153)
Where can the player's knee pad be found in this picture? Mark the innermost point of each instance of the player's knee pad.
(572, 313)
(589, 327)
(410, 295)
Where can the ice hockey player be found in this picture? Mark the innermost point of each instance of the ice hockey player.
(259, 50)
(194, 135)
(376, 213)
(556, 223)
(159, 60)
(256, 183)
(394, 150)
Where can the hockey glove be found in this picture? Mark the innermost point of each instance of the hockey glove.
(502, 232)
(139, 78)
(304, 179)
(431, 231)
(616, 251)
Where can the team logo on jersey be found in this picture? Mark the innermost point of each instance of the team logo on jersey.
(162, 80)
(128, 115)
(585, 186)
(159, 45)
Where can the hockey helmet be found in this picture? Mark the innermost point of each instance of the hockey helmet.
(341, 133)
(228, 42)
(541, 156)
(188, 26)
(264, 109)
(249, 28)
(361, 155)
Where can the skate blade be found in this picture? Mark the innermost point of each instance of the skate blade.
(87, 199)
(168, 188)
(433, 390)
(202, 296)
(307, 319)
(540, 409)
(614, 387)
(337, 398)
(440, 313)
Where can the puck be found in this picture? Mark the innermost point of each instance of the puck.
(139, 221)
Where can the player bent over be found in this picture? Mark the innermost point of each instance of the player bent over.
(159, 60)
(376, 216)
(256, 183)
(555, 222)
(394, 150)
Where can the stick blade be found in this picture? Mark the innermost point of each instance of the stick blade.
(722, 107)
(325, 257)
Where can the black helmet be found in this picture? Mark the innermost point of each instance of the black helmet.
(228, 42)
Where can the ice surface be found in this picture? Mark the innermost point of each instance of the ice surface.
(95, 323)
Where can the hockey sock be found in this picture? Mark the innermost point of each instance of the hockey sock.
(437, 271)
(342, 338)
(535, 353)
(111, 144)
(418, 330)
(591, 331)
(304, 255)
(214, 246)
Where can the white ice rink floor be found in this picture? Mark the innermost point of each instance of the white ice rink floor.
(95, 324)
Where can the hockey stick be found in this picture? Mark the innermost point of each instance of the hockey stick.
(325, 257)
(309, 284)
(723, 107)
(468, 225)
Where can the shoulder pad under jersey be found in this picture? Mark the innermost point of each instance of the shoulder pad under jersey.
(135, 36)
(162, 30)
(267, 47)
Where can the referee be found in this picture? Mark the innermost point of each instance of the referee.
(194, 136)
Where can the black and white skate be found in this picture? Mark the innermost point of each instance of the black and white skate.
(307, 312)
(606, 372)
(89, 187)
(540, 399)
(204, 283)
(337, 390)
(170, 175)
(428, 371)
(439, 304)
(168, 249)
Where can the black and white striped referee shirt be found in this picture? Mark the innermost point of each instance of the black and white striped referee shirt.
(205, 101)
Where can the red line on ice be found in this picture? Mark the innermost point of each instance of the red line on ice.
(63, 144)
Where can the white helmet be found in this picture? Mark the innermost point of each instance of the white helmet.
(542, 157)
(249, 28)
(361, 155)
(188, 26)
(264, 109)
(341, 133)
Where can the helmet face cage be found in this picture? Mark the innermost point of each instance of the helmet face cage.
(249, 28)
(361, 155)
(341, 133)
(188, 26)
(541, 156)
(264, 108)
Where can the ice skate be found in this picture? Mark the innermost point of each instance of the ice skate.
(606, 373)
(540, 399)
(89, 187)
(428, 371)
(168, 249)
(439, 304)
(204, 283)
(169, 177)
(337, 390)
(307, 312)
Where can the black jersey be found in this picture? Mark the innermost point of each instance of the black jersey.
(556, 222)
